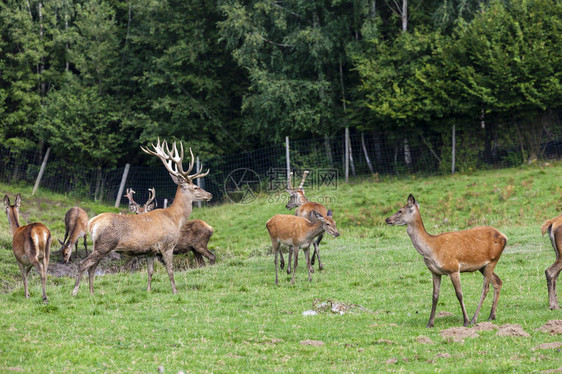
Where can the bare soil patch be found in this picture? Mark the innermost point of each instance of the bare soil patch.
(553, 345)
(424, 340)
(484, 326)
(553, 327)
(444, 314)
(314, 343)
(512, 330)
(457, 334)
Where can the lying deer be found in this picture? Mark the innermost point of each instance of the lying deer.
(297, 232)
(76, 227)
(554, 229)
(194, 234)
(298, 200)
(152, 233)
(137, 208)
(31, 245)
(452, 253)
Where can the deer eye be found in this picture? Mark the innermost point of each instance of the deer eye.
(400, 211)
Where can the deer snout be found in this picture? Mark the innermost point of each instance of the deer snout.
(388, 221)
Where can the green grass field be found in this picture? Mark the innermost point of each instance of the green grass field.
(231, 317)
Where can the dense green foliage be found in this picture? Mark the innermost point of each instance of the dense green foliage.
(230, 317)
(96, 78)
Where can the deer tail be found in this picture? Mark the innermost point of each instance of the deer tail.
(546, 226)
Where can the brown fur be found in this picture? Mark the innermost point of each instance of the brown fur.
(452, 253)
(554, 228)
(297, 232)
(152, 233)
(31, 245)
(76, 227)
(194, 236)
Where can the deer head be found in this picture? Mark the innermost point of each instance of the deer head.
(296, 196)
(406, 214)
(328, 223)
(172, 160)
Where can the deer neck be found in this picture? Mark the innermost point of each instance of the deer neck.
(181, 207)
(420, 238)
(14, 220)
(315, 229)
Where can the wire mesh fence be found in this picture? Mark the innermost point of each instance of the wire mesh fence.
(240, 177)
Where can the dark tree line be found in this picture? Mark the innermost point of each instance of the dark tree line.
(94, 79)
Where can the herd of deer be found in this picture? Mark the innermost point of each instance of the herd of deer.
(164, 232)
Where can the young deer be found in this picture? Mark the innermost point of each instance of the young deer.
(452, 253)
(554, 229)
(31, 245)
(152, 233)
(297, 232)
(194, 234)
(137, 208)
(298, 200)
(76, 227)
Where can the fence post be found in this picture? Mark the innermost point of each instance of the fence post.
(454, 146)
(41, 171)
(287, 154)
(346, 154)
(198, 179)
(122, 185)
(165, 203)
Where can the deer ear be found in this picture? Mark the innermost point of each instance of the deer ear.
(18, 200)
(329, 214)
(61, 243)
(411, 200)
(178, 180)
(6, 201)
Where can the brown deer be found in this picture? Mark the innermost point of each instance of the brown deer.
(137, 208)
(152, 233)
(194, 234)
(31, 245)
(297, 232)
(452, 253)
(298, 200)
(76, 227)
(554, 229)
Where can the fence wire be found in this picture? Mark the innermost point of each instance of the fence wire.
(232, 176)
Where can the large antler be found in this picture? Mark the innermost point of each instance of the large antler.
(303, 178)
(133, 206)
(173, 160)
(289, 185)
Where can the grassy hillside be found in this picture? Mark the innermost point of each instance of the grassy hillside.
(231, 316)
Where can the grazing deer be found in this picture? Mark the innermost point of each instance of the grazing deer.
(298, 200)
(554, 229)
(76, 227)
(297, 232)
(137, 208)
(152, 233)
(31, 245)
(452, 253)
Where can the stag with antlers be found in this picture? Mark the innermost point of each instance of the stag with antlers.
(136, 207)
(153, 233)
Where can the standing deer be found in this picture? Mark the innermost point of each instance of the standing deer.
(76, 227)
(152, 233)
(452, 253)
(554, 229)
(31, 245)
(137, 208)
(297, 232)
(298, 200)
(194, 234)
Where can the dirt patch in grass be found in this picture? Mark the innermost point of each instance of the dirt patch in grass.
(553, 345)
(424, 340)
(484, 326)
(512, 330)
(553, 327)
(457, 334)
(444, 314)
(314, 343)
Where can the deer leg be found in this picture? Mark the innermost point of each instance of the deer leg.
(167, 256)
(43, 274)
(456, 279)
(84, 265)
(308, 265)
(282, 259)
(75, 251)
(291, 249)
(150, 270)
(276, 252)
(317, 252)
(296, 254)
(436, 287)
(487, 272)
(202, 251)
(497, 284)
(91, 275)
(24, 270)
(85, 245)
(552, 274)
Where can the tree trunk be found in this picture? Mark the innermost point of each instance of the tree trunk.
(407, 154)
(366, 153)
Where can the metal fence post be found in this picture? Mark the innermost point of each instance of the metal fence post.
(122, 185)
(287, 154)
(453, 156)
(41, 171)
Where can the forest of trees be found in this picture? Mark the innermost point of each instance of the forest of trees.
(94, 79)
